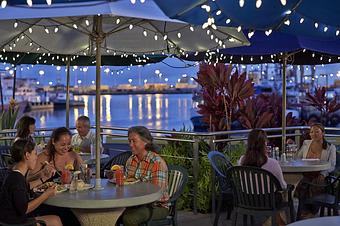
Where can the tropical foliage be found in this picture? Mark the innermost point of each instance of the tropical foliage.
(320, 102)
(9, 116)
(224, 92)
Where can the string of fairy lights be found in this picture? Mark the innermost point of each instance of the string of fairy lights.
(81, 25)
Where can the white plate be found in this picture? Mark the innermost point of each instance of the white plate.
(86, 187)
(310, 159)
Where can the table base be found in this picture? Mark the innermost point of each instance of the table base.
(292, 178)
(100, 217)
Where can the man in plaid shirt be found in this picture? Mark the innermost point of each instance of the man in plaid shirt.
(147, 166)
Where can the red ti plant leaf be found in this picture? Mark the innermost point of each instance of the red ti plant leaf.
(224, 93)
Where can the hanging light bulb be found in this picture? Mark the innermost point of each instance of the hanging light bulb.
(191, 28)
(142, 1)
(46, 30)
(228, 21)
(118, 21)
(241, 3)
(15, 25)
(156, 37)
(218, 12)
(133, 1)
(130, 26)
(29, 3)
(250, 34)
(56, 29)
(337, 32)
(268, 32)
(3, 4)
(214, 26)
(49, 2)
(301, 20)
(145, 33)
(287, 22)
(283, 2)
(165, 37)
(258, 3)
(325, 29)
(316, 25)
(30, 30)
(75, 26)
(87, 22)
(179, 35)
(239, 28)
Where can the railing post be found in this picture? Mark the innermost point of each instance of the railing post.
(212, 173)
(195, 172)
(297, 137)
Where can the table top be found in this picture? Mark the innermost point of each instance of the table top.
(300, 166)
(111, 196)
(329, 221)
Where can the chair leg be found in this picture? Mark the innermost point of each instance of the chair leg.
(252, 221)
(335, 211)
(329, 213)
(234, 219)
(322, 211)
(274, 221)
(245, 220)
(174, 219)
(217, 215)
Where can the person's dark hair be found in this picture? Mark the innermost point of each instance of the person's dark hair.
(145, 135)
(22, 126)
(56, 134)
(256, 149)
(322, 128)
(85, 119)
(19, 149)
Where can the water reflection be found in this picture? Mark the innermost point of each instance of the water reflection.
(158, 111)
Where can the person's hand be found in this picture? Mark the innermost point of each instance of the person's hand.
(290, 141)
(51, 191)
(48, 170)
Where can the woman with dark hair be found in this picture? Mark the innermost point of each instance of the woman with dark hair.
(58, 153)
(15, 205)
(146, 165)
(25, 128)
(316, 148)
(256, 155)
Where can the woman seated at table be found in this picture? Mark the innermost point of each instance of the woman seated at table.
(25, 128)
(58, 154)
(257, 156)
(15, 205)
(316, 148)
(146, 165)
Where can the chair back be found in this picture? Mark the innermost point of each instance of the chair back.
(221, 164)
(3, 174)
(255, 188)
(178, 178)
(119, 159)
(4, 150)
(7, 160)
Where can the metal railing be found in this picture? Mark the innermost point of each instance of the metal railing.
(212, 138)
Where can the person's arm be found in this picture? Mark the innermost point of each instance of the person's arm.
(32, 205)
(279, 175)
(331, 159)
(159, 176)
(303, 148)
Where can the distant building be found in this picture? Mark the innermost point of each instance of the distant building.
(125, 87)
(156, 86)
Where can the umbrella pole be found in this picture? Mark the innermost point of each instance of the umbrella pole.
(98, 38)
(14, 81)
(68, 92)
(284, 102)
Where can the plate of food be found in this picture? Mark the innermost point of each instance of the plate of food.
(43, 187)
(81, 186)
(126, 181)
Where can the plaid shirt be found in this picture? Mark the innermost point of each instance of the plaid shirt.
(152, 168)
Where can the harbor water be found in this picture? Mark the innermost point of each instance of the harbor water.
(155, 111)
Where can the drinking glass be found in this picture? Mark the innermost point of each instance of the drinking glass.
(65, 176)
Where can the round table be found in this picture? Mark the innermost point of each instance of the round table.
(329, 221)
(301, 166)
(103, 207)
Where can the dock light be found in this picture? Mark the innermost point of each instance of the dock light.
(50, 83)
(92, 82)
(79, 81)
(130, 80)
(58, 68)
(49, 2)
(133, 1)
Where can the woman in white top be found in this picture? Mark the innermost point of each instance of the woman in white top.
(316, 148)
